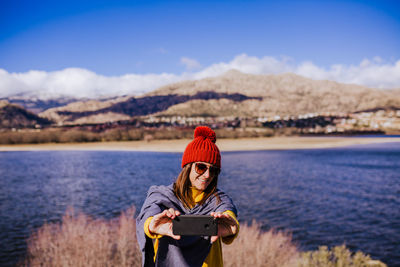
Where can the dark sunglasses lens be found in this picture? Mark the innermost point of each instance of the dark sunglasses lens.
(201, 168)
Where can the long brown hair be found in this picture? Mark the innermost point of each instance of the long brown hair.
(183, 192)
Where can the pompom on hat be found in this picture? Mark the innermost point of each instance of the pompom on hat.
(202, 148)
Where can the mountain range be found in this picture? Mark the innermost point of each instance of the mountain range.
(233, 94)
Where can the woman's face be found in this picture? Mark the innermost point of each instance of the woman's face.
(201, 175)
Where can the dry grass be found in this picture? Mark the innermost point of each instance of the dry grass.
(82, 241)
(254, 248)
(31, 136)
(338, 256)
(47, 136)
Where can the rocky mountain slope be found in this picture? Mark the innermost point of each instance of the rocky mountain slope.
(109, 111)
(233, 94)
(283, 94)
(36, 105)
(14, 116)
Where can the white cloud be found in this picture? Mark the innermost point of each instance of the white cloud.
(373, 73)
(76, 82)
(190, 63)
(248, 64)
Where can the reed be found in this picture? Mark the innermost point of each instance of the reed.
(253, 247)
(79, 240)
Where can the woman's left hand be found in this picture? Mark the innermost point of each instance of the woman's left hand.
(226, 225)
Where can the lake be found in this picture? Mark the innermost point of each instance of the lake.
(323, 196)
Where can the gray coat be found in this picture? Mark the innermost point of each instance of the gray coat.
(189, 250)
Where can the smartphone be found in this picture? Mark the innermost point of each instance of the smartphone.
(202, 225)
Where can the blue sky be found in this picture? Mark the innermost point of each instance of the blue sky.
(115, 38)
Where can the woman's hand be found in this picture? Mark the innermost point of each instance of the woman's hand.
(226, 225)
(162, 223)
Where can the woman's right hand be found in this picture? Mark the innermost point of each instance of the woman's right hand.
(162, 223)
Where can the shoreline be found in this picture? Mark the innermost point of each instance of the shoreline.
(242, 144)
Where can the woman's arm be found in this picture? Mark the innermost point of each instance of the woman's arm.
(161, 224)
(227, 225)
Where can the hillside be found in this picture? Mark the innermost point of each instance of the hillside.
(14, 116)
(283, 94)
(37, 105)
(101, 112)
(233, 94)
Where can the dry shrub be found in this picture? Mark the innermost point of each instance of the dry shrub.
(168, 134)
(82, 241)
(135, 134)
(28, 137)
(121, 135)
(43, 136)
(10, 138)
(244, 133)
(255, 248)
(337, 256)
(112, 135)
(78, 136)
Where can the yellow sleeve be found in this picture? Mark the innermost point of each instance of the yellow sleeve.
(215, 257)
(152, 236)
(229, 239)
(147, 231)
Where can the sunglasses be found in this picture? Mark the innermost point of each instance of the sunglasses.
(201, 168)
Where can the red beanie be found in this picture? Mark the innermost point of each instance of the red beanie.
(202, 148)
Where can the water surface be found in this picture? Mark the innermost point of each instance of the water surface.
(324, 196)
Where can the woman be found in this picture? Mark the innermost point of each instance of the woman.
(194, 193)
